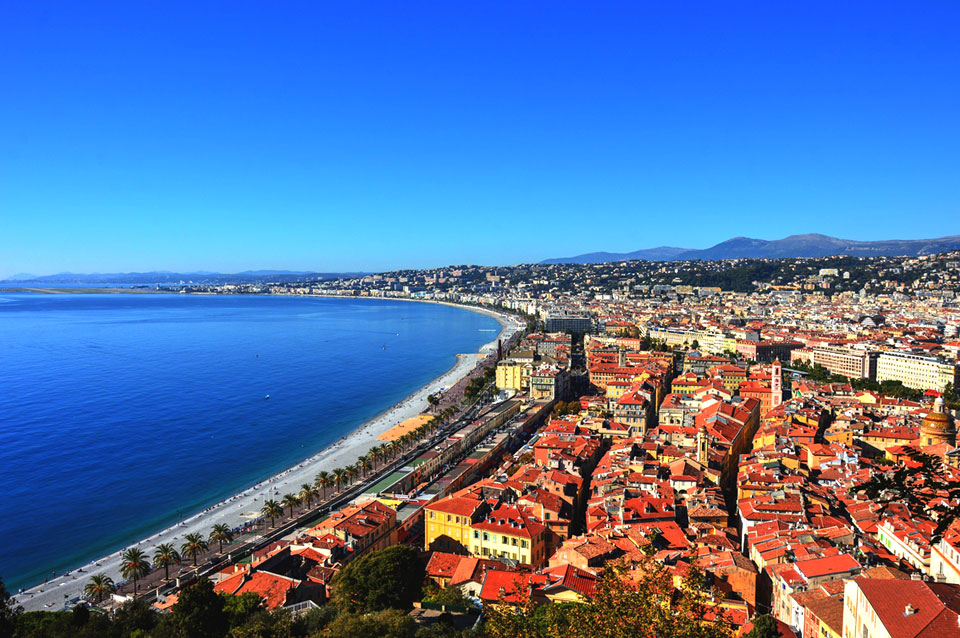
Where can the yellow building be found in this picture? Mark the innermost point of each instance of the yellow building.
(513, 375)
(466, 525)
(447, 524)
(616, 389)
(506, 532)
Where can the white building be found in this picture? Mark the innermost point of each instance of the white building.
(916, 371)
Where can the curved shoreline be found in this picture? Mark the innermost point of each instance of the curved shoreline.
(244, 505)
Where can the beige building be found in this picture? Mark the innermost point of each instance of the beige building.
(890, 608)
(915, 371)
(856, 364)
(945, 560)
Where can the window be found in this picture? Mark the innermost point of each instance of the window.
(449, 518)
(476, 534)
(513, 542)
(432, 514)
(486, 537)
(523, 544)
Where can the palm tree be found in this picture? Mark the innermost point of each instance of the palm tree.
(325, 481)
(221, 533)
(193, 544)
(322, 480)
(375, 455)
(134, 566)
(352, 472)
(363, 463)
(164, 556)
(307, 493)
(290, 500)
(99, 586)
(339, 476)
(271, 509)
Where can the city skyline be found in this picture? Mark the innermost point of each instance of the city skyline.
(381, 138)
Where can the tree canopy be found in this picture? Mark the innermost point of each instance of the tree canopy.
(390, 578)
(922, 484)
(641, 602)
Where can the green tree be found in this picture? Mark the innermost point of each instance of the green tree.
(315, 620)
(272, 509)
(135, 618)
(950, 397)
(390, 623)
(194, 544)
(9, 611)
(164, 556)
(199, 613)
(620, 607)
(449, 596)
(925, 486)
(240, 608)
(220, 534)
(339, 477)
(764, 627)
(134, 565)
(291, 501)
(387, 579)
(363, 464)
(323, 481)
(307, 494)
(98, 587)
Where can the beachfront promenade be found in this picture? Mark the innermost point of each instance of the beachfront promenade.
(212, 561)
(243, 510)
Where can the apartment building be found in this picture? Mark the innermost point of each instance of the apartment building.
(889, 608)
(916, 371)
(855, 364)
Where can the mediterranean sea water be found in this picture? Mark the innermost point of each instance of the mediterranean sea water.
(123, 413)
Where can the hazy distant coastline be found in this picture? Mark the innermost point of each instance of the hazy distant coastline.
(99, 291)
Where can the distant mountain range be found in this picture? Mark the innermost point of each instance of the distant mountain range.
(165, 277)
(810, 245)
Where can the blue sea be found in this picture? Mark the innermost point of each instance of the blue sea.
(123, 413)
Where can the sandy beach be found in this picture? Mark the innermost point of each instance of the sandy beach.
(245, 506)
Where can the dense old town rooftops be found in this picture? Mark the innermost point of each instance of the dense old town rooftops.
(726, 427)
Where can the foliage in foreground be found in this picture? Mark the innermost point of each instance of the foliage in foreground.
(640, 603)
(391, 578)
(374, 595)
(923, 484)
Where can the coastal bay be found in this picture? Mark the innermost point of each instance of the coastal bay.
(350, 442)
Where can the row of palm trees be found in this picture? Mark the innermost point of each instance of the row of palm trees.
(135, 565)
(342, 476)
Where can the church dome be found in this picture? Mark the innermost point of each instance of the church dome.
(938, 426)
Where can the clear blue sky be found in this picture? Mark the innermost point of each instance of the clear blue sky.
(368, 135)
